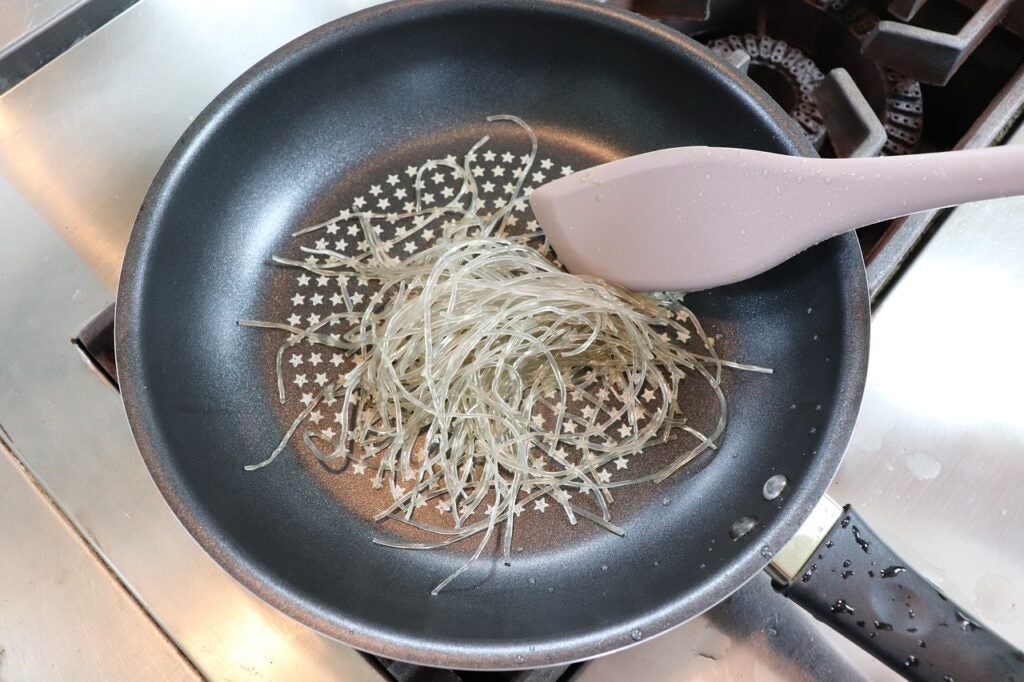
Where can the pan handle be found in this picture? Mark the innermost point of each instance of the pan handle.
(854, 582)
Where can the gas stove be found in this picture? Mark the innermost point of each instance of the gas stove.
(932, 468)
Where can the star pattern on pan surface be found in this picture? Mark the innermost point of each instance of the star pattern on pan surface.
(504, 179)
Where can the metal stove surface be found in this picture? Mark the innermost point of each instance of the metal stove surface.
(935, 463)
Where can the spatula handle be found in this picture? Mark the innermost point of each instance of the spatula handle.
(870, 190)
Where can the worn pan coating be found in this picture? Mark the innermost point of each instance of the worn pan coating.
(399, 83)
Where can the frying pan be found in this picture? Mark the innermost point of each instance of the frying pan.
(338, 109)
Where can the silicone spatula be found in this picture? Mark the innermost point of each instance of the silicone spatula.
(693, 218)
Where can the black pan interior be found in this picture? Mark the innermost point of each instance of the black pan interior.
(290, 142)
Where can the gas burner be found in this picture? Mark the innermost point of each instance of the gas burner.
(785, 72)
(903, 102)
(792, 44)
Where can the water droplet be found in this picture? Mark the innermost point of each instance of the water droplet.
(892, 571)
(772, 632)
(533, 581)
(981, 179)
(792, 406)
(637, 634)
(864, 544)
(519, 658)
(828, 180)
(841, 607)
(879, 625)
(742, 526)
(766, 552)
(810, 310)
(551, 589)
(923, 466)
(966, 624)
(911, 661)
(665, 501)
(774, 486)
(604, 567)
(657, 563)
(599, 197)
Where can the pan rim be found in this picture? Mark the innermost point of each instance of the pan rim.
(421, 648)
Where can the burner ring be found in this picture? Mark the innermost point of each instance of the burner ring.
(829, 33)
(785, 72)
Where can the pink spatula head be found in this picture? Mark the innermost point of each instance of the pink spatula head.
(693, 218)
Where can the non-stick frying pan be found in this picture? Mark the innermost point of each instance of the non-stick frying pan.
(338, 109)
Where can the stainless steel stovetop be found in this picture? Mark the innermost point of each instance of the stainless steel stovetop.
(98, 580)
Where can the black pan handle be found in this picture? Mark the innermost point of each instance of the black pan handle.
(860, 587)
